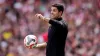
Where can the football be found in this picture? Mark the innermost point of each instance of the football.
(30, 41)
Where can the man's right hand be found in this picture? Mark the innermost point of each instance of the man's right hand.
(42, 17)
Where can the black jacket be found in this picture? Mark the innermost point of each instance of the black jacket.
(57, 34)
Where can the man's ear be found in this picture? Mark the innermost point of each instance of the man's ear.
(61, 12)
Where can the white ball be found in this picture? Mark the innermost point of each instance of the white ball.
(30, 41)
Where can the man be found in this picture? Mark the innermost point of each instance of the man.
(57, 32)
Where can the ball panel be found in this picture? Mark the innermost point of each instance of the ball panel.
(30, 41)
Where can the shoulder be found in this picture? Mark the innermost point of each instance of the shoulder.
(64, 22)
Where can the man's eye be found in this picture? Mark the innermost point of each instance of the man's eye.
(54, 10)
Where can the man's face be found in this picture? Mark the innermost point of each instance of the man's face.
(54, 13)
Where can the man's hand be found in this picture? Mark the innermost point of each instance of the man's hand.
(42, 45)
(42, 17)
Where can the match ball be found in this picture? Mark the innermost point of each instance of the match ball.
(30, 41)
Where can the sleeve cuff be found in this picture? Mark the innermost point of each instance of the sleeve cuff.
(50, 21)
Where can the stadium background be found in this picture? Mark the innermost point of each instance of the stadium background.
(17, 20)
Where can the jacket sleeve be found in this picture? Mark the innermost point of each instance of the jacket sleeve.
(56, 23)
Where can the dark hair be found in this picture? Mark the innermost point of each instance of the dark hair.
(60, 7)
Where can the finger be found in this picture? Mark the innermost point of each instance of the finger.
(36, 15)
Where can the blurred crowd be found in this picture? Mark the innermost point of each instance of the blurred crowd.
(17, 20)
